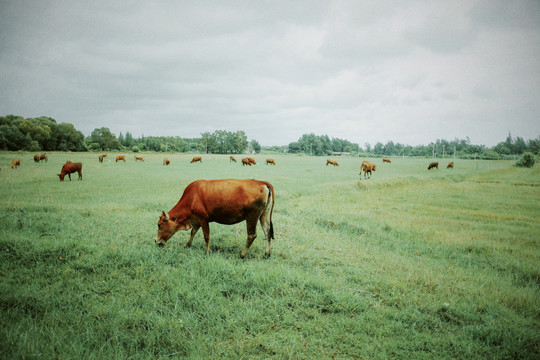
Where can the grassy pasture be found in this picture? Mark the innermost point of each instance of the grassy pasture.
(408, 264)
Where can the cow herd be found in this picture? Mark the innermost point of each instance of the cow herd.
(226, 201)
(367, 168)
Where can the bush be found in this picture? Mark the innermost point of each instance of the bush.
(135, 149)
(527, 160)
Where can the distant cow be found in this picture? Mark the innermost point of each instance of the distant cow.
(432, 165)
(245, 161)
(450, 165)
(252, 161)
(196, 159)
(101, 157)
(70, 168)
(166, 161)
(387, 160)
(39, 157)
(15, 163)
(232, 159)
(332, 162)
(367, 167)
(139, 158)
(226, 202)
(270, 161)
(120, 157)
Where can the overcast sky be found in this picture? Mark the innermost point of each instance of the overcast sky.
(366, 71)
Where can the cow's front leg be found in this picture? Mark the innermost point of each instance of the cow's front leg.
(206, 233)
(69, 176)
(194, 229)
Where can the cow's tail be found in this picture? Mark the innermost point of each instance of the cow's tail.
(271, 193)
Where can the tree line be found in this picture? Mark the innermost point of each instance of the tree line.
(323, 145)
(45, 134)
(35, 134)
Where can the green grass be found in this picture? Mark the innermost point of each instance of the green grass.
(408, 264)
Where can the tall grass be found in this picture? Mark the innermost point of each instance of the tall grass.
(409, 264)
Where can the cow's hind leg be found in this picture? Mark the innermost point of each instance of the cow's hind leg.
(80, 175)
(251, 235)
(268, 230)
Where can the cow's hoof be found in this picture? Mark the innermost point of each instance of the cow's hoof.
(266, 256)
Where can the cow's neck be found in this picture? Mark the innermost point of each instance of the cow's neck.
(180, 214)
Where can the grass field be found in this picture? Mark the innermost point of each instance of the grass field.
(439, 264)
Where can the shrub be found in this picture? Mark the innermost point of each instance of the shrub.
(527, 160)
(135, 149)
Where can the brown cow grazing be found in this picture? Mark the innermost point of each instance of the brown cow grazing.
(332, 162)
(433, 164)
(101, 157)
(245, 161)
(450, 165)
(15, 163)
(252, 161)
(36, 158)
(367, 167)
(196, 159)
(226, 202)
(387, 160)
(43, 157)
(139, 158)
(270, 161)
(166, 161)
(232, 159)
(70, 168)
(120, 157)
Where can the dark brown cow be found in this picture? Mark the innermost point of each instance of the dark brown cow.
(70, 168)
(386, 160)
(450, 165)
(332, 162)
(232, 159)
(196, 159)
(101, 157)
(270, 161)
(120, 157)
(139, 158)
(36, 158)
(166, 161)
(226, 202)
(252, 161)
(245, 161)
(367, 167)
(15, 163)
(432, 165)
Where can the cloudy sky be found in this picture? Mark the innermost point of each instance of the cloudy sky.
(366, 71)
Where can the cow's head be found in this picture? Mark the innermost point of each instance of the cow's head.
(61, 176)
(167, 228)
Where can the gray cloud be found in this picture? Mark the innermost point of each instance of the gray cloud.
(361, 70)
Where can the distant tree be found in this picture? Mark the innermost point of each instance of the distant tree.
(69, 138)
(526, 160)
(378, 148)
(104, 139)
(255, 146)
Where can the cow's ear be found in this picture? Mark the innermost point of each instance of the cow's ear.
(164, 216)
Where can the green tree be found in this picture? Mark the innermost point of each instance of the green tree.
(69, 138)
(104, 139)
(526, 160)
(255, 146)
